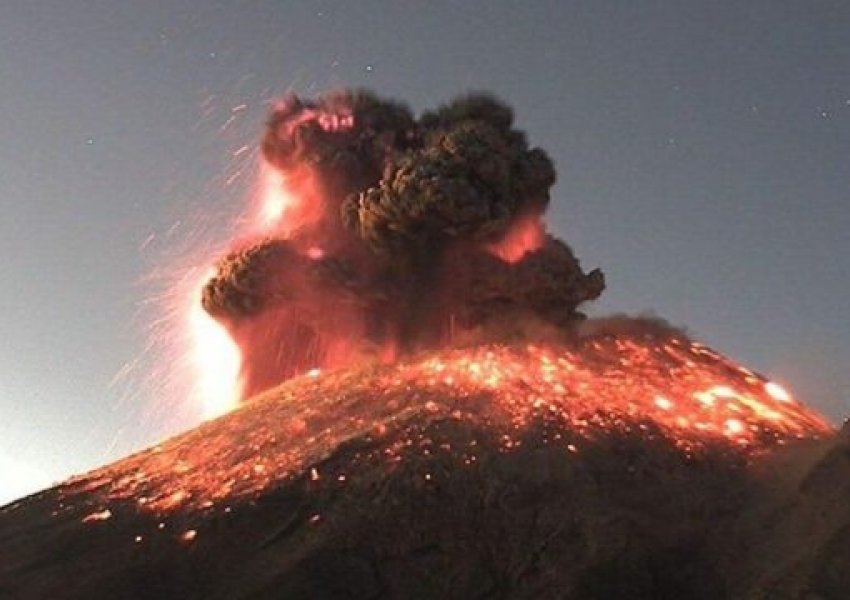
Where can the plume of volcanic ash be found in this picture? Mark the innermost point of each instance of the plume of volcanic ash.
(398, 233)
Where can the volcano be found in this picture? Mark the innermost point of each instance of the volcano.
(422, 410)
(623, 463)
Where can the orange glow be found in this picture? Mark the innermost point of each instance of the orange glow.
(216, 359)
(662, 389)
(525, 235)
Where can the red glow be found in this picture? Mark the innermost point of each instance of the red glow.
(525, 235)
(237, 359)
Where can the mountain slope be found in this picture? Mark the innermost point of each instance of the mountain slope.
(633, 466)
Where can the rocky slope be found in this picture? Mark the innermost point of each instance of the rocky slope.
(613, 470)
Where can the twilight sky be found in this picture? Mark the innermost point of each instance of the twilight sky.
(702, 147)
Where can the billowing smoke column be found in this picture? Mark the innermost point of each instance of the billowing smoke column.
(401, 233)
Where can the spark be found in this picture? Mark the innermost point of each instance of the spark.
(188, 536)
(227, 123)
(233, 178)
(147, 241)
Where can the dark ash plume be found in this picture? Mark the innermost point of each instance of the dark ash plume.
(348, 137)
(406, 229)
(470, 178)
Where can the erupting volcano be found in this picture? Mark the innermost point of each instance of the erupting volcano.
(424, 412)
(382, 234)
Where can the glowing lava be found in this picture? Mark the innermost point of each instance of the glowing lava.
(665, 389)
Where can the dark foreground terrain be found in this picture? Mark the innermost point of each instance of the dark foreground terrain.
(384, 484)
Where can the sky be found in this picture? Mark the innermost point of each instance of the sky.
(702, 151)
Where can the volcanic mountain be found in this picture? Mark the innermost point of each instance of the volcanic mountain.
(424, 411)
(625, 462)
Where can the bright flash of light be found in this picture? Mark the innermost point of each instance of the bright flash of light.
(274, 198)
(215, 357)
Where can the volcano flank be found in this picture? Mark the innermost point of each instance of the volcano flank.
(421, 410)
(607, 467)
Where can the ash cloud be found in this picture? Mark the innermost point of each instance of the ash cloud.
(405, 232)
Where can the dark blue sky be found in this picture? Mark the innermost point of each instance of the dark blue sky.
(702, 147)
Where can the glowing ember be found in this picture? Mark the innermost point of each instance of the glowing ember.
(662, 388)
(188, 536)
(98, 516)
(734, 427)
(315, 253)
